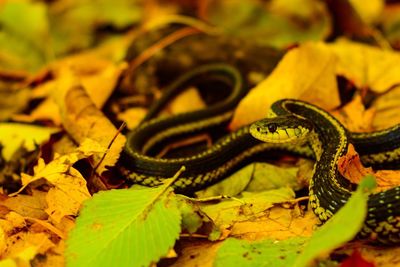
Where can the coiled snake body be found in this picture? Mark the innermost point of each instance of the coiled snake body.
(325, 139)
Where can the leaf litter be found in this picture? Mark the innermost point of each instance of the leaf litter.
(70, 91)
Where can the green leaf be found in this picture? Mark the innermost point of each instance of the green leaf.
(235, 252)
(132, 227)
(342, 227)
(192, 218)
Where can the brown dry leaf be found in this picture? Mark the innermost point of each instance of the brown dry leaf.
(82, 120)
(355, 117)
(350, 167)
(367, 66)
(387, 109)
(306, 72)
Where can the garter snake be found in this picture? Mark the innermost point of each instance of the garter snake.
(329, 139)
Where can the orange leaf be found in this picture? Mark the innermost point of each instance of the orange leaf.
(351, 167)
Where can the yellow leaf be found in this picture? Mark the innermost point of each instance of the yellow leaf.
(2, 240)
(13, 135)
(68, 186)
(367, 66)
(189, 100)
(97, 75)
(370, 10)
(16, 220)
(67, 196)
(355, 117)
(387, 109)
(306, 73)
(91, 147)
(132, 116)
(28, 205)
(24, 246)
(82, 120)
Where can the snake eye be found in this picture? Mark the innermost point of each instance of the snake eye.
(272, 127)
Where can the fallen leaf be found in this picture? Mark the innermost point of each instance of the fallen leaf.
(389, 21)
(355, 117)
(67, 196)
(254, 177)
(24, 29)
(189, 100)
(367, 66)
(278, 223)
(13, 135)
(13, 99)
(269, 252)
(369, 11)
(132, 116)
(82, 120)
(350, 166)
(248, 207)
(272, 23)
(68, 189)
(387, 108)
(96, 74)
(28, 205)
(306, 73)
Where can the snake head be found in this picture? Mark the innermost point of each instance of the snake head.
(281, 129)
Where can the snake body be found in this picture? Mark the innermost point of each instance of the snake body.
(329, 191)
